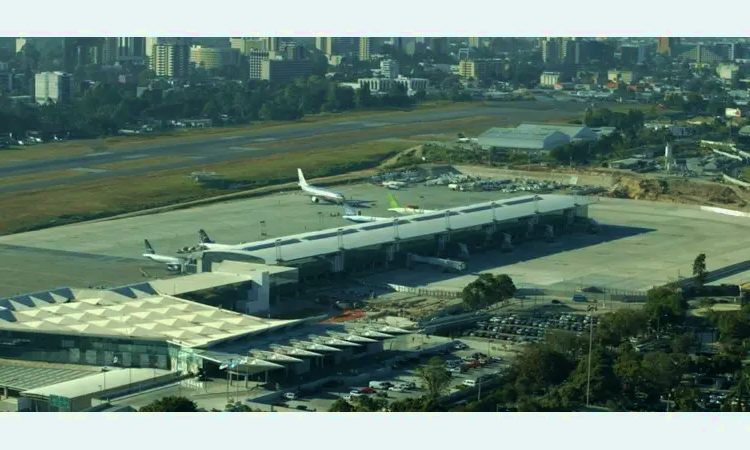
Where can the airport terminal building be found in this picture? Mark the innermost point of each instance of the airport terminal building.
(444, 238)
(147, 325)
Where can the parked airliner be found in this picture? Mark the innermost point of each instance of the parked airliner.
(408, 209)
(317, 194)
(173, 263)
(357, 217)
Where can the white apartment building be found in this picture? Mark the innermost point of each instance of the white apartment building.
(389, 68)
(171, 59)
(549, 79)
(55, 86)
(382, 85)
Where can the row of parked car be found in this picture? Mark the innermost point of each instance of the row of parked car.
(534, 328)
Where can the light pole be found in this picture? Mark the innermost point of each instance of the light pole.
(591, 345)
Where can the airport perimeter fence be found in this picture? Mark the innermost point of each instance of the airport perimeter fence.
(437, 293)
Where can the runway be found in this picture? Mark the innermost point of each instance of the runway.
(220, 149)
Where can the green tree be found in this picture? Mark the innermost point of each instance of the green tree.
(487, 290)
(685, 398)
(435, 377)
(171, 404)
(539, 367)
(616, 327)
(682, 343)
(341, 405)
(699, 269)
(665, 305)
(419, 404)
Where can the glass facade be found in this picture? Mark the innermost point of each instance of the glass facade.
(87, 350)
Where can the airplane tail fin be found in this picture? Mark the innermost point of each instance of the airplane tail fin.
(149, 247)
(392, 200)
(204, 239)
(302, 181)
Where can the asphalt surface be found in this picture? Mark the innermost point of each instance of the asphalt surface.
(222, 149)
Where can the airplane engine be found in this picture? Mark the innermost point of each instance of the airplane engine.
(315, 199)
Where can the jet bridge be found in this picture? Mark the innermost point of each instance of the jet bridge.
(458, 266)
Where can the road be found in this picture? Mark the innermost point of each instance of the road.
(212, 150)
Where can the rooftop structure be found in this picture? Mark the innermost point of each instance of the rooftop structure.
(531, 136)
(308, 245)
(137, 311)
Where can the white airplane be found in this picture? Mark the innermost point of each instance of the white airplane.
(357, 217)
(173, 263)
(464, 140)
(394, 184)
(408, 209)
(317, 194)
(206, 243)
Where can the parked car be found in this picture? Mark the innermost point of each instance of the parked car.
(290, 396)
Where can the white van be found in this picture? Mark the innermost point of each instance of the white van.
(470, 383)
(379, 385)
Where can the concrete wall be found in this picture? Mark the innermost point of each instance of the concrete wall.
(258, 297)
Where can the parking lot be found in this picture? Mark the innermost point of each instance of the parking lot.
(402, 381)
(528, 328)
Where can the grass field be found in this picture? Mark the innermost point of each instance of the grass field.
(53, 175)
(139, 163)
(115, 143)
(115, 195)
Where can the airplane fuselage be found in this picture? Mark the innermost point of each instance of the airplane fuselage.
(317, 194)
(363, 219)
(410, 211)
(163, 259)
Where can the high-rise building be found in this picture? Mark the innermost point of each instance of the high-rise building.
(109, 50)
(271, 44)
(81, 51)
(629, 54)
(55, 86)
(550, 51)
(389, 68)
(438, 45)
(480, 68)
(365, 48)
(20, 42)
(255, 61)
(474, 42)
(644, 53)
(667, 45)
(324, 44)
(291, 50)
(131, 49)
(212, 58)
(171, 58)
(337, 45)
(284, 70)
(246, 44)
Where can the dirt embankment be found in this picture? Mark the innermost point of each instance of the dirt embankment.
(679, 191)
(649, 187)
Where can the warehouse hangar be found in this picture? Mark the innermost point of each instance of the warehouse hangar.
(146, 325)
